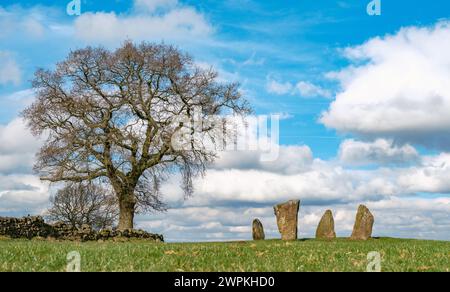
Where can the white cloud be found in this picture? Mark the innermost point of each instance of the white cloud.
(17, 148)
(22, 194)
(303, 88)
(432, 176)
(397, 87)
(16, 100)
(253, 186)
(248, 185)
(16, 162)
(16, 138)
(177, 23)
(149, 20)
(412, 218)
(18, 21)
(291, 159)
(307, 89)
(9, 69)
(380, 151)
(278, 87)
(321, 184)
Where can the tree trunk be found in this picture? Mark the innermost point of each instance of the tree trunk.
(126, 216)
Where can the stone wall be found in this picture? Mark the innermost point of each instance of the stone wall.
(35, 226)
(26, 227)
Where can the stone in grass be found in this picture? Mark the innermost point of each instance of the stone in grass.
(287, 219)
(362, 230)
(258, 230)
(325, 229)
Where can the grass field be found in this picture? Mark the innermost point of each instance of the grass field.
(269, 255)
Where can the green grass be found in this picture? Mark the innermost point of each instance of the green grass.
(269, 255)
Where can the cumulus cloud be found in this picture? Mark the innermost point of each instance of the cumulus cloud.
(9, 69)
(430, 177)
(17, 148)
(302, 88)
(291, 159)
(322, 184)
(263, 187)
(380, 151)
(22, 194)
(208, 223)
(397, 86)
(175, 22)
(244, 180)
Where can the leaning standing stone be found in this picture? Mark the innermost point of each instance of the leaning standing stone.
(287, 218)
(362, 230)
(258, 230)
(325, 230)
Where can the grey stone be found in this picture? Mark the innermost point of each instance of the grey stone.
(362, 230)
(325, 229)
(258, 230)
(287, 219)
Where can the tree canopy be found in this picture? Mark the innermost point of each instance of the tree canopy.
(113, 115)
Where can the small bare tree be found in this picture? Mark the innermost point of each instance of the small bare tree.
(112, 116)
(78, 204)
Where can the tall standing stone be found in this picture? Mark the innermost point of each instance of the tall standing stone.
(258, 230)
(362, 230)
(325, 229)
(287, 219)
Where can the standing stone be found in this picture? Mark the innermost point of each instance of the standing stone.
(325, 230)
(362, 230)
(287, 218)
(258, 230)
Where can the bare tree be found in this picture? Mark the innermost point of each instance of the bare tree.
(81, 203)
(113, 115)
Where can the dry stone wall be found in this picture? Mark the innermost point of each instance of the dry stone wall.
(35, 226)
(26, 227)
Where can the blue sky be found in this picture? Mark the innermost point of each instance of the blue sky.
(286, 55)
(292, 40)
